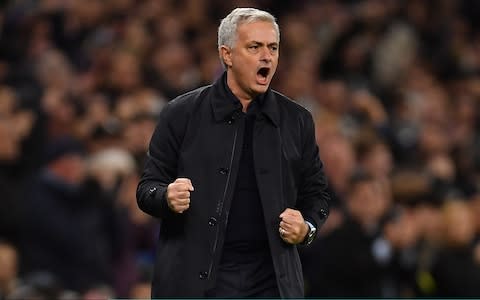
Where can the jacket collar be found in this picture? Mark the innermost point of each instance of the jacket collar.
(225, 104)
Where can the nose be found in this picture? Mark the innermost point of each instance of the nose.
(266, 54)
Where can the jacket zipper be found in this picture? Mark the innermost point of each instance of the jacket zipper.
(220, 203)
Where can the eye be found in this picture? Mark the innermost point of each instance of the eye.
(253, 47)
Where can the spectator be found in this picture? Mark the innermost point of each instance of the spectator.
(406, 72)
(456, 271)
(73, 246)
(334, 271)
(8, 269)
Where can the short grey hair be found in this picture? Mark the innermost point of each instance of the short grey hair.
(227, 31)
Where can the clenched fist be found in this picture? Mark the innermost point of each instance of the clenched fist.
(178, 195)
(293, 228)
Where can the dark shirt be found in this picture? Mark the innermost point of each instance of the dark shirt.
(456, 273)
(246, 231)
(246, 267)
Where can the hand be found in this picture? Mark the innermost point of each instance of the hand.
(178, 195)
(293, 228)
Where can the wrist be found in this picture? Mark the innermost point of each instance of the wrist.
(306, 230)
(311, 233)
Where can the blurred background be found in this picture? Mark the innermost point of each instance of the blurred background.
(394, 88)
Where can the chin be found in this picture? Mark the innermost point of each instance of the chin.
(260, 89)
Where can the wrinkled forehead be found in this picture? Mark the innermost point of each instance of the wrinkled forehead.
(260, 31)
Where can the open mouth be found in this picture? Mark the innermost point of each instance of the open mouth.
(262, 74)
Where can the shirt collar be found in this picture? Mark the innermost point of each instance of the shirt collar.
(225, 103)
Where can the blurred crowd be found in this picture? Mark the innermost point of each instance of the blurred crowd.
(393, 85)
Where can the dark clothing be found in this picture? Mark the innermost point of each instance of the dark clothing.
(456, 273)
(246, 224)
(246, 277)
(67, 232)
(10, 207)
(344, 265)
(246, 268)
(199, 136)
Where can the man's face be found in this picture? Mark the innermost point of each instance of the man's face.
(253, 60)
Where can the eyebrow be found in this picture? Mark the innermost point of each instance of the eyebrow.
(261, 43)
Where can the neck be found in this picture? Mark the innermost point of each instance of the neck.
(244, 98)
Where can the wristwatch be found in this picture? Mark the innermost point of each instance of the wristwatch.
(312, 232)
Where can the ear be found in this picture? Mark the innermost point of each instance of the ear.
(226, 55)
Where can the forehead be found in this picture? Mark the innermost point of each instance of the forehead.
(259, 31)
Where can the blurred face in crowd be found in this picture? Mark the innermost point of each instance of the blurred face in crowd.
(8, 263)
(458, 222)
(252, 62)
(125, 72)
(70, 167)
(402, 231)
(429, 221)
(367, 202)
(339, 159)
(378, 161)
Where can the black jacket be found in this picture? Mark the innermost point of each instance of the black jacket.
(199, 136)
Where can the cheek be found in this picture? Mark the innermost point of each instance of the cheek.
(275, 63)
(244, 70)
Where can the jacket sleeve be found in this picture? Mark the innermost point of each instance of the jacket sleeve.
(161, 164)
(313, 197)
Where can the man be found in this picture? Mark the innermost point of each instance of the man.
(234, 175)
(8, 269)
(67, 224)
